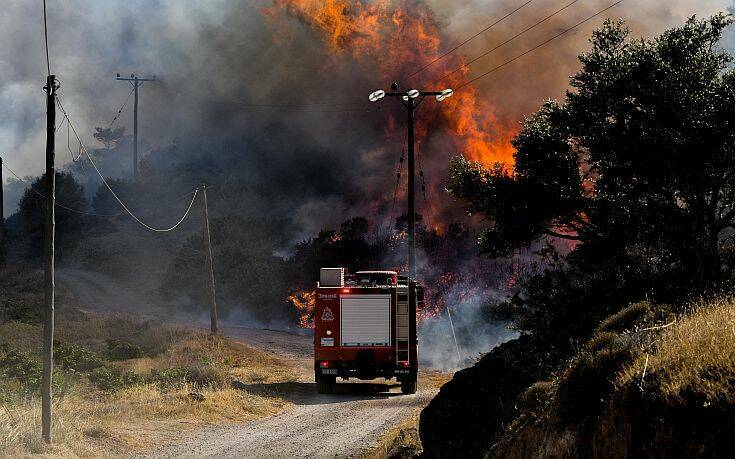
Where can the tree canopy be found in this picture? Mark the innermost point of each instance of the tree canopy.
(635, 167)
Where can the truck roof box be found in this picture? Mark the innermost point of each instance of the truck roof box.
(332, 277)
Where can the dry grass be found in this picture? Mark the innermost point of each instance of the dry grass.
(90, 422)
(402, 440)
(673, 394)
(693, 354)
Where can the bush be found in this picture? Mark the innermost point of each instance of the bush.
(169, 378)
(19, 310)
(26, 369)
(536, 397)
(625, 319)
(121, 350)
(76, 358)
(208, 375)
(111, 379)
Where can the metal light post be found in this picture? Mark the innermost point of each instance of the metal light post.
(411, 100)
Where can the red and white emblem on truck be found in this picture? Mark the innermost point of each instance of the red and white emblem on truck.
(327, 314)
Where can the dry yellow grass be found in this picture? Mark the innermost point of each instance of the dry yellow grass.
(89, 422)
(673, 397)
(694, 353)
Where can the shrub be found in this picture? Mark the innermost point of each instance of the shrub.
(121, 350)
(19, 310)
(23, 367)
(536, 396)
(169, 378)
(625, 319)
(208, 375)
(111, 379)
(76, 358)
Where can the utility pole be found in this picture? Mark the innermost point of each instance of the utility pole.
(411, 100)
(2, 210)
(210, 264)
(2, 213)
(136, 83)
(48, 326)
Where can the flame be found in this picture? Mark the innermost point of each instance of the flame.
(304, 302)
(399, 38)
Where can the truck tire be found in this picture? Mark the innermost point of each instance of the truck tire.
(408, 385)
(325, 384)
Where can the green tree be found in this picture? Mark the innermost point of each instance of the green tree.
(69, 213)
(635, 168)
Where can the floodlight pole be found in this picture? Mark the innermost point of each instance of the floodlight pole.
(411, 100)
(136, 83)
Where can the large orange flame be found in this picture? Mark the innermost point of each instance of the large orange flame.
(398, 38)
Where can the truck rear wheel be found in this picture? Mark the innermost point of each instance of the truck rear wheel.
(408, 385)
(325, 384)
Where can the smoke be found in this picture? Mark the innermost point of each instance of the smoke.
(267, 101)
(219, 62)
(463, 332)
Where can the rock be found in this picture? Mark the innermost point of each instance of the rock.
(469, 413)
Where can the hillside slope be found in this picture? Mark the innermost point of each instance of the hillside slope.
(647, 383)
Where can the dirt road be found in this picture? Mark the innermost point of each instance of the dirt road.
(346, 423)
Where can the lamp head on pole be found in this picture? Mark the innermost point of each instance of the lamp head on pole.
(376, 95)
(447, 93)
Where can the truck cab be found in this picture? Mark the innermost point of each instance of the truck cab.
(365, 328)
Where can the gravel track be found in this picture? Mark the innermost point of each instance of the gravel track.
(346, 423)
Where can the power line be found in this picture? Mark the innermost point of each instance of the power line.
(82, 212)
(68, 121)
(539, 45)
(43, 196)
(467, 40)
(109, 188)
(527, 29)
(122, 107)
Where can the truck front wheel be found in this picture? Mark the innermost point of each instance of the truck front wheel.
(408, 385)
(325, 384)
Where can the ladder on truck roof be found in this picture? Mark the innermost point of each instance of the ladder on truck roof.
(402, 320)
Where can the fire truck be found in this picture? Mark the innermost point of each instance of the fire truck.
(365, 327)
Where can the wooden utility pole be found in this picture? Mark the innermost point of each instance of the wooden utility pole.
(48, 325)
(137, 83)
(210, 264)
(2, 210)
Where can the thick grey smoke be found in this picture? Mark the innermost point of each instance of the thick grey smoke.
(217, 60)
(272, 116)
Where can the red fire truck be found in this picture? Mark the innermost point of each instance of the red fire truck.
(365, 327)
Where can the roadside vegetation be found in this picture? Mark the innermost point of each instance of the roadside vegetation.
(121, 385)
(625, 191)
(646, 384)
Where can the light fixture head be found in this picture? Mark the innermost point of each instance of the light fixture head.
(376, 95)
(414, 93)
(444, 95)
(405, 98)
